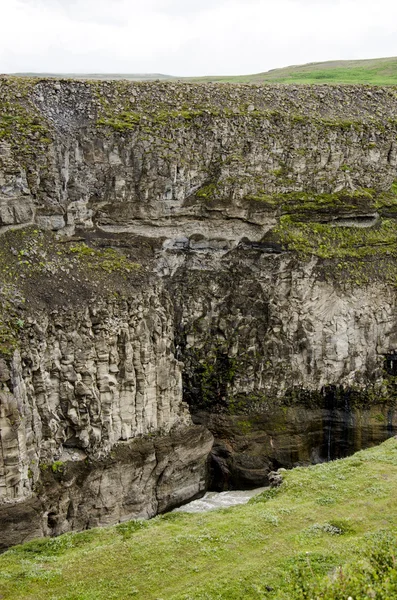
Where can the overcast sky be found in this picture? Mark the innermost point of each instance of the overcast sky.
(190, 37)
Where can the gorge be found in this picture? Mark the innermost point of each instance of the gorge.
(197, 287)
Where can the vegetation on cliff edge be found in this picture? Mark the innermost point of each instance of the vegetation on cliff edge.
(327, 241)
(38, 270)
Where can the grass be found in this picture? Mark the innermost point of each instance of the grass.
(353, 255)
(286, 544)
(302, 205)
(377, 71)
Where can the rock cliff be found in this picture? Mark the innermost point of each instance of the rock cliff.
(230, 248)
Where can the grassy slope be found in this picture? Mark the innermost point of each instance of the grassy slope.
(320, 518)
(379, 71)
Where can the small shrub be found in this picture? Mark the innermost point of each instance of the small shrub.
(319, 528)
(264, 496)
(325, 500)
(127, 529)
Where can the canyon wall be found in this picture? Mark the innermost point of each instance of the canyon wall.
(166, 246)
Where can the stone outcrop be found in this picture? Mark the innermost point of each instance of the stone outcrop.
(265, 325)
(230, 248)
(283, 367)
(131, 156)
(250, 446)
(138, 479)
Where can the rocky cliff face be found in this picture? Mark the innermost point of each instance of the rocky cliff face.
(284, 366)
(93, 426)
(229, 247)
(89, 379)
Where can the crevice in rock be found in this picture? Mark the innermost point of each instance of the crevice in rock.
(354, 221)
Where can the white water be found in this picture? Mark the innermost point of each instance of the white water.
(214, 500)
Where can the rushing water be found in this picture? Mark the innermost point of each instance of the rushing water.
(214, 500)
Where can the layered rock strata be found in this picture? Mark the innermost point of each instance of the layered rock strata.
(262, 221)
(93, 427)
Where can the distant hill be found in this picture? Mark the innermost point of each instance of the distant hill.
(130, 76)
(377, 71)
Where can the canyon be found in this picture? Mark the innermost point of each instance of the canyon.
(198, 286)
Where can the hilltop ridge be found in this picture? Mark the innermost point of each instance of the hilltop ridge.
(374, 71)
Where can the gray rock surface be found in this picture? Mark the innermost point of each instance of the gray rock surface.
(191, 184)
(93, 427)
(88, 379)
(139, 479)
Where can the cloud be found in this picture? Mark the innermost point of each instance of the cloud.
(195, 37)
(181, 7)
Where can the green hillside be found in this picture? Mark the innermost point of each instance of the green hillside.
(289, 543)
(378, 71)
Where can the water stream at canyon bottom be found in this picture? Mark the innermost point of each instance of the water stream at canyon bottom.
(214, 500)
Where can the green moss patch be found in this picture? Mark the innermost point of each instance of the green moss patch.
(39, 271)
(22, 125)
(327, 241)
(306, 205)
(108, 260)
(355, 255)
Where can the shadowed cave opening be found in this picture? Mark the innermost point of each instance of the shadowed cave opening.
(333, 423)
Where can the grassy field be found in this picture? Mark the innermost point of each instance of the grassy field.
(287, 543)
(378, 71)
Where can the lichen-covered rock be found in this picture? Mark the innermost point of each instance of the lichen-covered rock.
(275, 479)
(139, 156)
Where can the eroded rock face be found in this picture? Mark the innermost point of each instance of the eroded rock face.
(87, 380)
(187, 158)
(93, 427)
(248, 447)
(138, 479)
(278, 333)
(251, 329)
(16, 201)
(283, 367)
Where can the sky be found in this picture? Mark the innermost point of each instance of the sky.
(190, 37)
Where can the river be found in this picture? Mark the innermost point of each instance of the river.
(214, 500)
